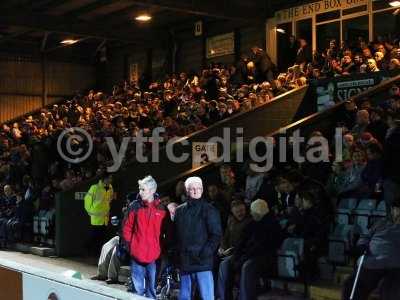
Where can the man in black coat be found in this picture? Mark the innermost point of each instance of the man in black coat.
(255, 254)
(198, 232)
(391, 161)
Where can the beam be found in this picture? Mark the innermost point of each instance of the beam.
(88, 8)
(212, 9)
(13, 36)
(72, 26)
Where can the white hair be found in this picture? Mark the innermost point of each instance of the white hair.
(149, 182)
(192, 180)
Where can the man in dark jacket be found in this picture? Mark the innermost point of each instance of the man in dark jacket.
(198, 232)
(255, 254)
(391, 161)
(142, 231)
(381, 260)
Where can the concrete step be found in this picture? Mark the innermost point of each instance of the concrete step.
(280, 295)
(43, 251)
(342, 273)
(325, 291)
(33, 249)
(291, 287)
(330, 291)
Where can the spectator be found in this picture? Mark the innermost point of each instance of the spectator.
(97, 205)
(362, 123)
(237, 221)
(198, 231)
(391, 184)
(146, 224)
(381, 261)
(254, 255)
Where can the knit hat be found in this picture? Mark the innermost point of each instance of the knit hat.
(259, 209)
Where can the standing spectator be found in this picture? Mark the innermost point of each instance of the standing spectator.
(97, 205)
(304, 54)
(362, 123)
(146, 223)
(391, 164)
(198, 231)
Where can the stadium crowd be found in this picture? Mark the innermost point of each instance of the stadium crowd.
(291, 200)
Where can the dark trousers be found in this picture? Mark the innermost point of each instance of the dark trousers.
(368, 281)
(97, 239)
(250, 271)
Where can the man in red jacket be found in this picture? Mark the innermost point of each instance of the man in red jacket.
(142, 231)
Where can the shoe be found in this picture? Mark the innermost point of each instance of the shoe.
(98, 277)
(112, 281)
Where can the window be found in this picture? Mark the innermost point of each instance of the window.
(304, 30)
(327, 32)
(386, 24)
(354, 28)
(286, 56)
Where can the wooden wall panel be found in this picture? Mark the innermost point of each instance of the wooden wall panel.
(21, 86)
(20, 77)
(14, 106)
(66, 78)
(252, 36)
(190, 54)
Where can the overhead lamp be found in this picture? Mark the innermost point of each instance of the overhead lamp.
(143, 18)
(394, 3)
(280, 30)
(69, 41)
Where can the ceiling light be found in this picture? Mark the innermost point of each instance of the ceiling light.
(69, 41)
(280, 30)
(394, 3)
(143, 18)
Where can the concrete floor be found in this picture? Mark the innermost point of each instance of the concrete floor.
(88, 268)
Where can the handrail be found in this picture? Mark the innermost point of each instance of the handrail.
(300, 123)
(202, 131)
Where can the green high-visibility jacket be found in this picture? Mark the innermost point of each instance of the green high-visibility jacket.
(97, 203)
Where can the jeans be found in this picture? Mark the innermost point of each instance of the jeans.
(144, 278)
(249, 274)
(204, 282)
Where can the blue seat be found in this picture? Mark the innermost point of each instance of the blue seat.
(289, 257)
(362, 214)
(340, 242)
(344, 210)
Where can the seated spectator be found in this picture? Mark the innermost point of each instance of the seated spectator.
(254, 256)
(237, 221)
(8, 206)
(377, 127)
(216, 199)
(381, 260)
(362, 123)
(313, 226)
(254, 181)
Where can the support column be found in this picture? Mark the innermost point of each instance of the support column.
(44, 79)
